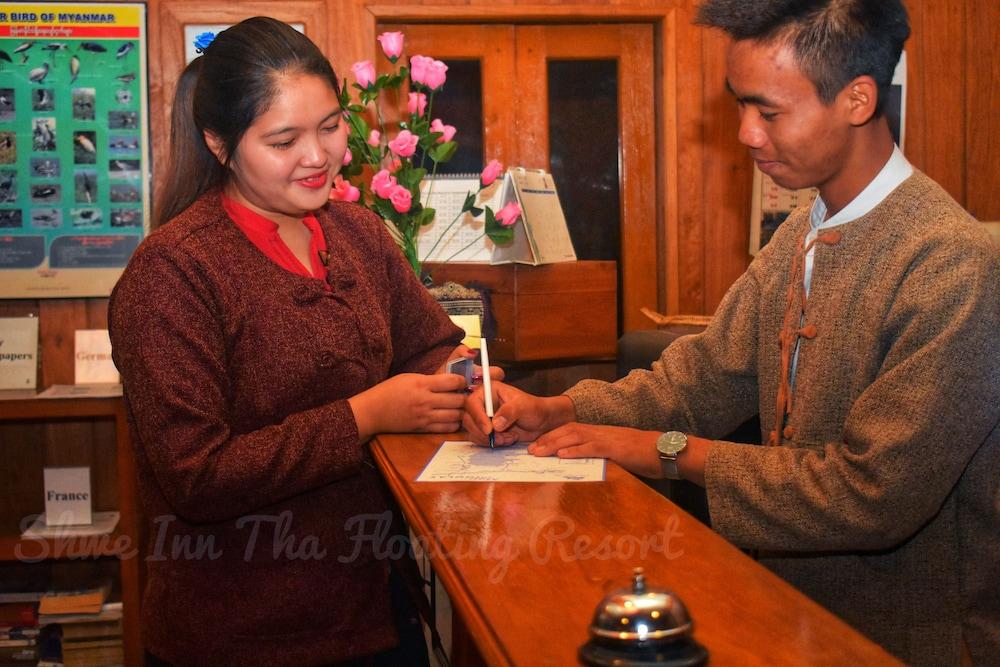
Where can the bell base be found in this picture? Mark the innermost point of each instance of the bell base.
(681, 653)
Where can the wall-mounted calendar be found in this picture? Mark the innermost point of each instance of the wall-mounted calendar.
(455, 236)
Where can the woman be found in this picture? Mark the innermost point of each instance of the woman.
(263, 336)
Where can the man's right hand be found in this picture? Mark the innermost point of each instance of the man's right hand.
(519, 415)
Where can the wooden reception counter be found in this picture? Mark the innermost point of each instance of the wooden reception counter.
(525, 564)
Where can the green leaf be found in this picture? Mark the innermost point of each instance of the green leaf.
(360, 127)
(426, 217)
(410, 177)
(420, 126)
(428, 141)
(502, 236)
(348, 171)
(355, 108)
(476, 212)
(470, 202)
(443, 152)
(384, 208)
(498, 233)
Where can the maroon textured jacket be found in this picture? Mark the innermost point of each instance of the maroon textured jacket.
(261, 500)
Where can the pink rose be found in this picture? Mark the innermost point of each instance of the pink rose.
(418, 69)
(435, 76)
(416, 104)
(427, 71)
(347, 156)
(405, 144)
(392, 44)
(509, 214)
(401, 199)
(383, 183)
(343, 190)
(447, 131)
(364, 72)
(374, 137)
(490, 172)
(395, 165)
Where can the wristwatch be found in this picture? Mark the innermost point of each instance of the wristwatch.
(669, 445)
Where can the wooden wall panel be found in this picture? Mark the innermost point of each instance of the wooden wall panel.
(982, 109)
(727, 174)
(935, 124)
(686, 241)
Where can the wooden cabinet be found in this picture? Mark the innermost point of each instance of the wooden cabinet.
(545, 313)
(17, 500)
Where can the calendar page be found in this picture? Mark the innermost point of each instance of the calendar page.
(463, 241)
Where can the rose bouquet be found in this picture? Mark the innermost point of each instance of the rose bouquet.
(386, 162)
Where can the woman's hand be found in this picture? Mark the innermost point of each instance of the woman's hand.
(463, 352)
(408, 403)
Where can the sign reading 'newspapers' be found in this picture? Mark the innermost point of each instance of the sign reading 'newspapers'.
(18, 352)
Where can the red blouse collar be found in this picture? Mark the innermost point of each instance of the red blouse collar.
(263, 233)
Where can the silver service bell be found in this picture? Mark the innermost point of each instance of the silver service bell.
(641, 626)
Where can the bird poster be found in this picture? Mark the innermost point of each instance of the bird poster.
(74, 155)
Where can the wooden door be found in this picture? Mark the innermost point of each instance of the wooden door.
(576, 100)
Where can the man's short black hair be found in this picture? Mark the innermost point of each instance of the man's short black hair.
(834, 41)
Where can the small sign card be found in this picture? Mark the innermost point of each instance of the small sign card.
(67, 496)
(18, 352)
(93, 358)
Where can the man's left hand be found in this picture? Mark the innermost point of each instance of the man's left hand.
(630, 448)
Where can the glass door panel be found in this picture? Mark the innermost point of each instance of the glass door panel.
(476, 95)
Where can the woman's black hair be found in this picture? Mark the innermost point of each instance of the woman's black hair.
(222, 92)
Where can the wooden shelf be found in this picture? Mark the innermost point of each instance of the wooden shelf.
(15, 548)
(124, 542)
(34, 409)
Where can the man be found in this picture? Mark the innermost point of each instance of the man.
(864, 334)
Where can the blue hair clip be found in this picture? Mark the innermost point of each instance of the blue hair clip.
(202, 41)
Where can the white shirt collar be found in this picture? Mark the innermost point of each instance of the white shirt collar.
(896, 170)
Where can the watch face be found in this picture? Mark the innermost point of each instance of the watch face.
(671, 442)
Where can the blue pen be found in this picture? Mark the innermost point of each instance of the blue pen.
(487, 389)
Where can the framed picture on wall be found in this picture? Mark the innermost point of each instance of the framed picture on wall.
(74, 146)
(198, 35)
(771, 204)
